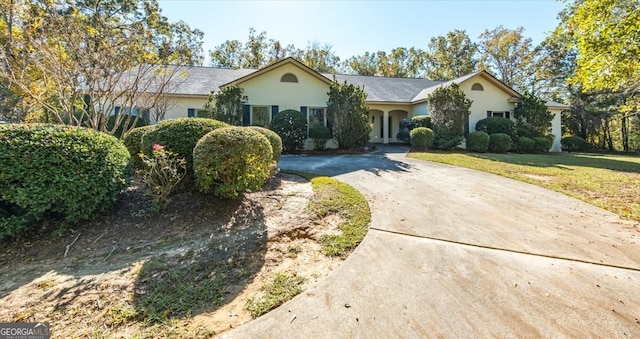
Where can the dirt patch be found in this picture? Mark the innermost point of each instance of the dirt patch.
(108, 278)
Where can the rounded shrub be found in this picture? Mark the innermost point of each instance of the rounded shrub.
(133, 141)
(57, 171)
(574, 143)
(274, 140)
(232, 160)
(499, 142)
(494, 125)
(291, 126)
(478, 141)
(421, 121)
(421, 138)
(542, 144)
(320, 135)
(180, 136)
(525, 145)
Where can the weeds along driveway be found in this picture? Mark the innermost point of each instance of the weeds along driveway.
(457, 252)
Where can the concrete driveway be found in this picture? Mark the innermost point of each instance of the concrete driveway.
(454, 252)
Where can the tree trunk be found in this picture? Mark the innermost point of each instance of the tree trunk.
(625, 133)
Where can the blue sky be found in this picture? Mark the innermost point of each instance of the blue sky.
(355, 27)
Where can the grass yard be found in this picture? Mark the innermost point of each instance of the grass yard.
(611, 182)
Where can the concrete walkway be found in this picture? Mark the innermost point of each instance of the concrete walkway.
(457, 253)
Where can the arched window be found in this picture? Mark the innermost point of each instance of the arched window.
(288, 77)
(477, 87)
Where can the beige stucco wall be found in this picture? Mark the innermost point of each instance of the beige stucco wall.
(419, 109)
(267, 90)
(490, 99)
(182, 104)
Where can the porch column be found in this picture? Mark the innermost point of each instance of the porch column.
(385, 127)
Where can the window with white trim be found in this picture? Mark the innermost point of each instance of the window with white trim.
(499, 114)
(260, 116)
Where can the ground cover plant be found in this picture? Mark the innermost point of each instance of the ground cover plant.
(611, 182)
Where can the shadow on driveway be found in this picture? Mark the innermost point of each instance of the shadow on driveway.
(375, 162)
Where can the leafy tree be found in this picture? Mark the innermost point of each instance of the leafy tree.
(78, 59)
(532, 113)
(320, 58)
(555, 63)
(607, 33)
(451, 56)
(227, 55)
(508, 54)
(362, 64)
(449, 108)
(400, 62)
(226, 105)
(348, 115)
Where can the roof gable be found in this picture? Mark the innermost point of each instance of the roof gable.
(422, 96)
(277, 65)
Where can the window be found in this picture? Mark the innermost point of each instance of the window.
(260, 116)
(191, 112)
(317, 117)
(477, 87)
(288, 77)
(499, 114)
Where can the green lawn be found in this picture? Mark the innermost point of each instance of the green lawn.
(608, 181)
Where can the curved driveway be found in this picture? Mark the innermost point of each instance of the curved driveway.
(454, 252)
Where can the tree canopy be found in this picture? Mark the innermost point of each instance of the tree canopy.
(77, 58)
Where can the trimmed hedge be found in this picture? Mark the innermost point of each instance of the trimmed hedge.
(542, 144)
(574, 143)
(291, 126)
(180, 136)
(320, 135)
(57, 171)
(422, 121)
(232, 160)
(478, 141)
(421, 138)
(497, 125)
(274, 140)
(525, 145)
(499, 142)
(133, 141)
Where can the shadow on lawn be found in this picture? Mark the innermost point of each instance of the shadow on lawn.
(202, 278)
(564, 160)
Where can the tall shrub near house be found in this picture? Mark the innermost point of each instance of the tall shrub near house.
(226, 105)
(449, 108)
(532, 114)
(349, 115)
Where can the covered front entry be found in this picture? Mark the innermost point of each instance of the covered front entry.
(385, 125)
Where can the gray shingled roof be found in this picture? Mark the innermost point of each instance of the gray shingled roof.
(202, 80)
(387, 89)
